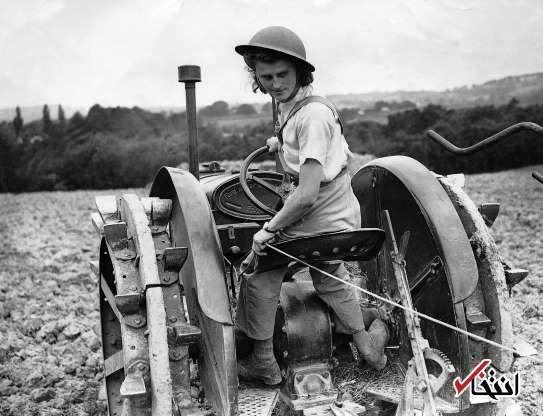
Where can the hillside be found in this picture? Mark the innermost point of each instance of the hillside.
(527, 89)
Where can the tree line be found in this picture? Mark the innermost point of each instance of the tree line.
(124, 147)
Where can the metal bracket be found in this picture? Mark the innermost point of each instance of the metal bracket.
(489, 212)
(183, 334)
(308, 386)
(134, 385)
(117, 239)
(171, 259)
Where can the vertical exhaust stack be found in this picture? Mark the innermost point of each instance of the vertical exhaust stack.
(190, 75)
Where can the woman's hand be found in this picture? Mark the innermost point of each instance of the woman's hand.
(273, 144)
(260, 239)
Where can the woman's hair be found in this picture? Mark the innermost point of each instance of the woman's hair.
(303, 74)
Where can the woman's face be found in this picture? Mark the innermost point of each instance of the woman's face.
(277, 78)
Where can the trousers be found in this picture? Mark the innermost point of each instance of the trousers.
(259, 297)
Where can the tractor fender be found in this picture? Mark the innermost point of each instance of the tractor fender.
(202, 274)
(440, 213)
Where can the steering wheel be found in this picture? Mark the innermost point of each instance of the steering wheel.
(245, 176)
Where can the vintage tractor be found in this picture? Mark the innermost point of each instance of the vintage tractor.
(167, 273)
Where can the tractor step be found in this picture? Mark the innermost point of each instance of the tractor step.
(253, 400)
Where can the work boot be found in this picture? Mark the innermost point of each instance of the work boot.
(252, 369)
(371, 344)
(261, 364)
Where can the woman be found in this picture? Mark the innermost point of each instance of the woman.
(311, 148)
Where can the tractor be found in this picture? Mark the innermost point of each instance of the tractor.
(168, 266)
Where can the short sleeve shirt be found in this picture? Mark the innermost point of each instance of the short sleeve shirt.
(312, 133)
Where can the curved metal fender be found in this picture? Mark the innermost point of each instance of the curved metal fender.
(206, 271)
(436, 206)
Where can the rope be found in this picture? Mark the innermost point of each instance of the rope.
(390, 302)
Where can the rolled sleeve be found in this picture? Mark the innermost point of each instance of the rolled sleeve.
(314, 128)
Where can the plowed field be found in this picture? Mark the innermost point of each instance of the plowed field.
(50, 357)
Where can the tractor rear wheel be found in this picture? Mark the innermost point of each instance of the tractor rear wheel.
(452, 264)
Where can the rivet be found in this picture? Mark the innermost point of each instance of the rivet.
(146, 332)
(166, 278)
(335, 250)
(137, 321)
(141, 366)
(133, 288)
(299, 378)
(354, 248)
(285, 354)
(284, 328)
(326, 374)
(173, 319)
(315, 254)
(301, 256)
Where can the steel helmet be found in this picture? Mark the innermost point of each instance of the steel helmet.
(277, 39)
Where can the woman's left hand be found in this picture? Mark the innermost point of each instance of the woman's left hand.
(259, 241)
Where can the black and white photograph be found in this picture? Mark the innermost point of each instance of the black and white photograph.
(271, 208)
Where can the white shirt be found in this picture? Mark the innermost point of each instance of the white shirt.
(312, 133)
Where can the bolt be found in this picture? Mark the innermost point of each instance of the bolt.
(422, 387)
(173, 319)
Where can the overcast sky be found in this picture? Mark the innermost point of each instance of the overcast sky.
(126, 52)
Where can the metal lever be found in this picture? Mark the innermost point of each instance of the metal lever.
(536, 128)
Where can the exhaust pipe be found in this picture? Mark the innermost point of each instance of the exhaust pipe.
(190, 75)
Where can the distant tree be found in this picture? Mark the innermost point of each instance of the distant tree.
(245, 109)
(61, 119)
(77, 119)
(217, 109)
(46, 119)
(380, 105)
(17, 121)
(512, 104)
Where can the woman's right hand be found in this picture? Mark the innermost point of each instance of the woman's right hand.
(273, 144)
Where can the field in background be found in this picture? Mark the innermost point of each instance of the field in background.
(50, 359)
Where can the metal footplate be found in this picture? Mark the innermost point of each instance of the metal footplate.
(256, 401)
(390, 387)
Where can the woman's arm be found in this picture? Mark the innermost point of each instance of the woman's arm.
(296, 206)
(302, 199)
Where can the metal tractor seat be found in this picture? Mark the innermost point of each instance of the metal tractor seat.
(355, 245)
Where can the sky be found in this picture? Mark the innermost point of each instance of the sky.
(126, 52)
